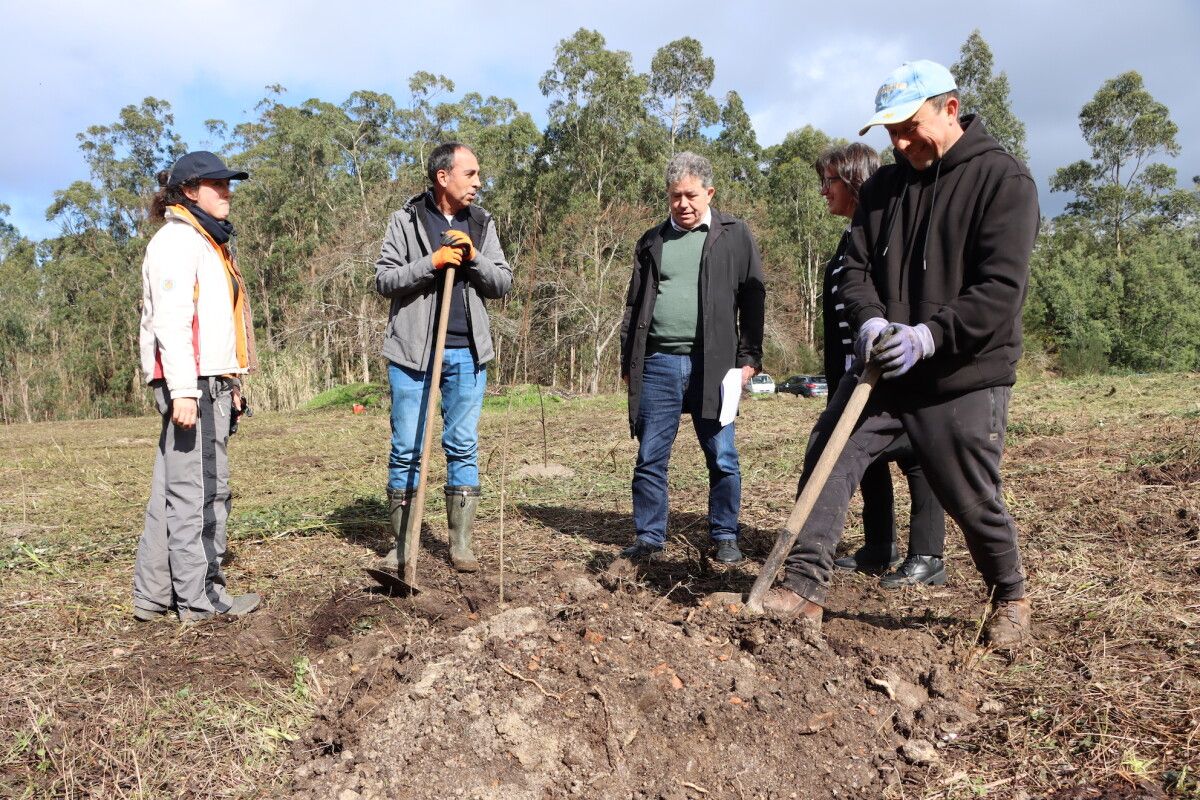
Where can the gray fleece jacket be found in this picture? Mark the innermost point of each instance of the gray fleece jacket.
(405, 274)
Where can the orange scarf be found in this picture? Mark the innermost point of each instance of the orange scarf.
(243, 320)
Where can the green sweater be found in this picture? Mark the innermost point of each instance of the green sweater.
(674, 327)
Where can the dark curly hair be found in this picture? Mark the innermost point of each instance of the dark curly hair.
(168, 195)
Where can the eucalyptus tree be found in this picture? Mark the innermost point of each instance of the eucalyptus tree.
(1073, 308)
(738, 161)
(23, 329)
(1122, 187)
(801, 233)
(428, 120)
(301, 187)
(91, 274)
(987, 94)
(601, 163)
(508, 144)
(680, 76)
(1160, 306)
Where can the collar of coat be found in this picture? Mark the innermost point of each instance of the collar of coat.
(654, 237)
(477, 213)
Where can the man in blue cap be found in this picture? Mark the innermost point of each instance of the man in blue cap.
(935, 277)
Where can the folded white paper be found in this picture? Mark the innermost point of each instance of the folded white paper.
(731, 395)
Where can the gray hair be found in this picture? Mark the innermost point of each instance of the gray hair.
(688, 164)
(938, 101)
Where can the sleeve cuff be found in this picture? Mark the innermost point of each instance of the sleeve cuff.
(876, 324)
(177, 394)
(926, 337)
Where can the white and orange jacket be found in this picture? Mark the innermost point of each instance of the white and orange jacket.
(195, 314)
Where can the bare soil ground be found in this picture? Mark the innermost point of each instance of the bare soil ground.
(546, 676)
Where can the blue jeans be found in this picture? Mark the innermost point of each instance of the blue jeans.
(673, 385)
(462, 385)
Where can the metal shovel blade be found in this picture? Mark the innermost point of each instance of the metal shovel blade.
(391, 581)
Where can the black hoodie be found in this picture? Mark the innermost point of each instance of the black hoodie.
(948, 246)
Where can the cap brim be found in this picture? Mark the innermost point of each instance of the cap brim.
(890, 116)
(232, 175)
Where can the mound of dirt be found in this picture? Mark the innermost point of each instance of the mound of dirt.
(549, 471)
(575, 690)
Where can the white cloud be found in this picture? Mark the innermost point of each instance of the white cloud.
(70, 64)
(831, 87)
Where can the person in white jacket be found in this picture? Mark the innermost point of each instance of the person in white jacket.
(197, 340)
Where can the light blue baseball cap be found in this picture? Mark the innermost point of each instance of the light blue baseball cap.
(909, 85)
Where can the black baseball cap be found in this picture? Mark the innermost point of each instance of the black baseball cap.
(202, 164)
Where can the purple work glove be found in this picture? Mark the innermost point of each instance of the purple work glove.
(900, 347)
(868, 332)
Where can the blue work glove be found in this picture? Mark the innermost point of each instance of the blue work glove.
(900, 347)
(867, 334)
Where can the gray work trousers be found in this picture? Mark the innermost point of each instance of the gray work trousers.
(183, 542)
(958, 441)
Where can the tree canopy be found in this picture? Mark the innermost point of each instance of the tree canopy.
(1115, 280)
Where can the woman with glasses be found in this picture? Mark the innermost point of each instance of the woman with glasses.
(842, 171)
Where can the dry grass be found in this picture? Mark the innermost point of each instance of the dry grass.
(1105, 487)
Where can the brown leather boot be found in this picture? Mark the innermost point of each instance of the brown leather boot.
(1009, 626)
(784, 603)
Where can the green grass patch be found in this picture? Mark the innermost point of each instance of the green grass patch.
(1037, 428)
(370, 395)
(524, 395)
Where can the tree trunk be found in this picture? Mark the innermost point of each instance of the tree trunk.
(264, 296)
(554, 359)
(364, 339)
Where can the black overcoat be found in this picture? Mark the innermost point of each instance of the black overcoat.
(732, 307)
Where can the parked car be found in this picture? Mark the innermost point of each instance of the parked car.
(761, 383)
(804, 386)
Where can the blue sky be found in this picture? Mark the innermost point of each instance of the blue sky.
(69, 65)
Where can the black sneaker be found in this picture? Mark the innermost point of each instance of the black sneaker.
(728, 552)
(640, 551)
(869, 559)
(916, 570)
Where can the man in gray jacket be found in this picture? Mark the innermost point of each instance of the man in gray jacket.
(408, 272)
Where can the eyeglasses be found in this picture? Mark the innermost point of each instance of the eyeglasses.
(827, 181)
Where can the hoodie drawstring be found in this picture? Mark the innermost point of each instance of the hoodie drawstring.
(932, 208)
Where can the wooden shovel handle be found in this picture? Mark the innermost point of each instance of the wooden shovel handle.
(413, 540)
(812, 487)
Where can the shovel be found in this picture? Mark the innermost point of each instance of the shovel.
(406, 583)
(812, 487)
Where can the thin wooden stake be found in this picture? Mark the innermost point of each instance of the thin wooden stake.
(503, 477)
(545, 447)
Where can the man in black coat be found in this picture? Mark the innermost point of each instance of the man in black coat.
(935, 277)
(693, 314)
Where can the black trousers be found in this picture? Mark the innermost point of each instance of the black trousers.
(958, 442)
(927, 527)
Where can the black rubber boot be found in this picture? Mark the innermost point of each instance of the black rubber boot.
(461, 505)
(399, 509)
